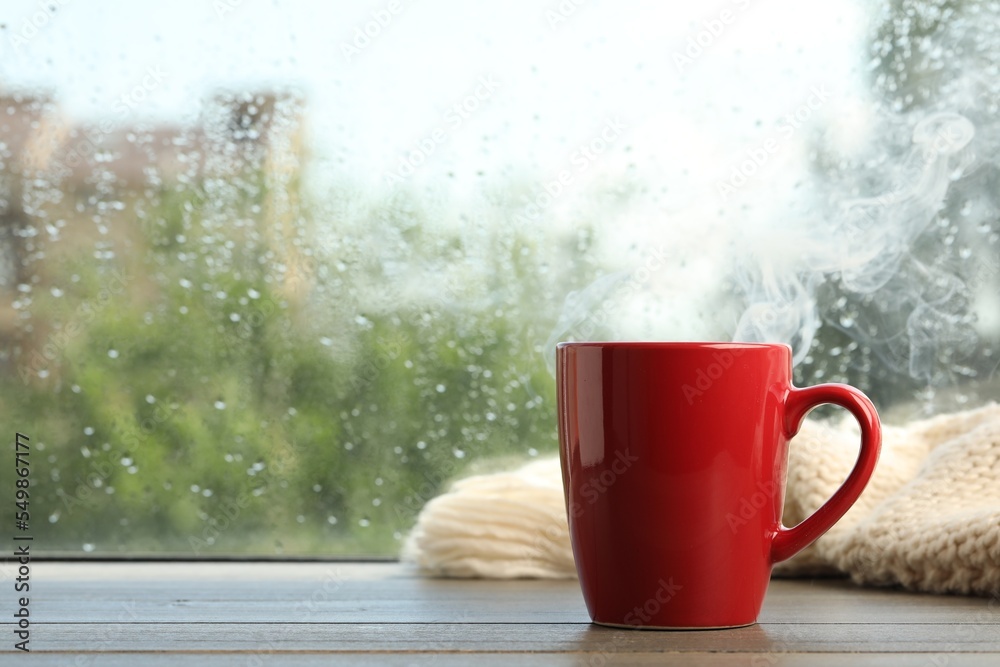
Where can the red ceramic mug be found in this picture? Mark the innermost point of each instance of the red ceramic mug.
(673, 462)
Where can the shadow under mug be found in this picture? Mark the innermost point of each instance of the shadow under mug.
(673, 462)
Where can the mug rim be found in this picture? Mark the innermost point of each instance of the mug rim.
(672, 345)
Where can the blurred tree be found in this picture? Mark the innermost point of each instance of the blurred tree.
(918, 332)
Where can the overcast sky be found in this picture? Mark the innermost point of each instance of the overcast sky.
(559, 77)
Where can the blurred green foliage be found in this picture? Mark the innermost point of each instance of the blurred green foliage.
(183, 402)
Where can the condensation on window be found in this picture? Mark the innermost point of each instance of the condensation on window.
(272, 274)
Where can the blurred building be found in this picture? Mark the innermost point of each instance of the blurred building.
(72, 189)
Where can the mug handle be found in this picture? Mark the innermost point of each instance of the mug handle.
(789, 541)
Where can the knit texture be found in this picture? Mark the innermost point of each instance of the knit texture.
(929, 520)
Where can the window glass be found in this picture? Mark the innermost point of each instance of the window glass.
(272, 273)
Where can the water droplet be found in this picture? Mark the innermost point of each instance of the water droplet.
(234, 317)
(113, 354)
(332, 520)
(317, 488)
(75, 389)
(88, 547)
(195, 488)
(325, 341)
(440, 388)
(364, 523)
(376, 502)
(220, 405)
(54, 517)
(185, 283)
(459, 454)
(150, 399)
(253, 294)
(43, 373)
(56, 292)
(300, 519)
(183, 310)
(88, 430)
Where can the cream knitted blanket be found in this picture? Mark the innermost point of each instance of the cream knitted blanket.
(929, 520)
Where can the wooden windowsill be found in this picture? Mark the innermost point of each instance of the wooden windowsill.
(382, 614)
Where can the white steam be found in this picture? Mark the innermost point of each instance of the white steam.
(919, 312)
(867, 244)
